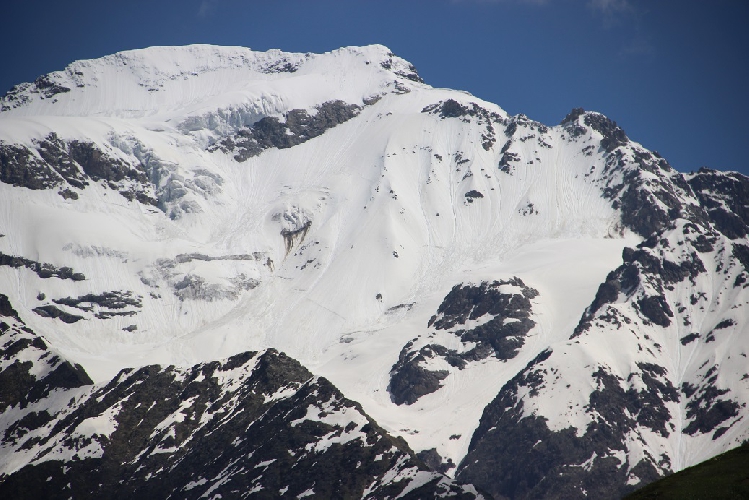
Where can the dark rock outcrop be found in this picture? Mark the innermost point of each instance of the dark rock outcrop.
(613, 136)
(409, 381)
(473, 194)
(110, 304)
(297, 127)
(256, 423)
(451, 108)
(507, 322)
(518, 456)
(54, 163)
(723, 195)
(510, 314)
(50, 311)
(43, 270)
(29, 370)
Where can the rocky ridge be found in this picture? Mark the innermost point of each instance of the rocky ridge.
(256, 424)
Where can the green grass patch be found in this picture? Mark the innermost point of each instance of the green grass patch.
(723, 477)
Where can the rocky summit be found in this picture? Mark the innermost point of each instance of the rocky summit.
(227, 274)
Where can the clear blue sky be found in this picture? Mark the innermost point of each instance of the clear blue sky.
(673, 74)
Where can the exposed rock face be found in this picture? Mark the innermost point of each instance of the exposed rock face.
(483, 117)
(516, 455)
(406, 70)
(490, 319)
(473, 194)
(109, 300)
(723, 195)
(125, 166)
(102, 306)
(504, 308)
(50, 311)
(258, 422)
(298, 126)
(45, 86)
(641, 184)
(613, 136)
(43, 270)
(29, 371)
(646, 275)
(53, 163)
(409, 380)
(518, 131)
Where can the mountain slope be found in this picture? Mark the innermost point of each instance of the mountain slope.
(667, 364)
(255, 424)
(456, 270)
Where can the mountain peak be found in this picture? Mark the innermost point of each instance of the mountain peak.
(154, 80)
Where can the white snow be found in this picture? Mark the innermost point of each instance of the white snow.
(102, 425)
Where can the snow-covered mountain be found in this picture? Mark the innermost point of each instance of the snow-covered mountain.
(537, 311)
